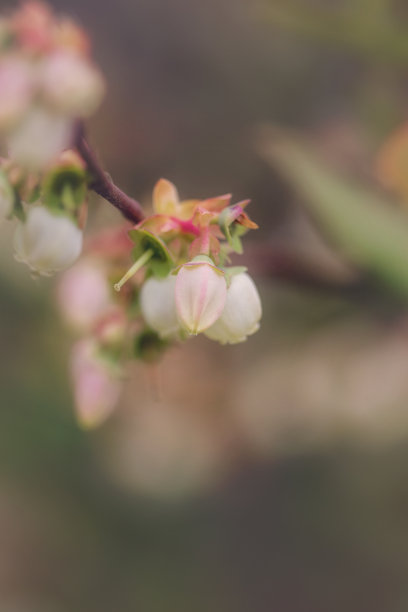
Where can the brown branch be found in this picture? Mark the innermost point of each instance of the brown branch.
(103, 185)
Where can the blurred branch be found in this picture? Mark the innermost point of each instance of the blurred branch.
(102, 184)
(288, 265)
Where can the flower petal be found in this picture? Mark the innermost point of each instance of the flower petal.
(201, 292)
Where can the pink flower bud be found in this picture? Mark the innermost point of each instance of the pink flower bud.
(33, 25)
(39, 138)
(157, 301)
(241, 314)
(71, 84)
(83, 295)
(47, 242)
(201, 292)
(96, 384)
(16, 87)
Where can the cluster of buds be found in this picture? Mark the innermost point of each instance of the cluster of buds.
(179, 285)
(47, 84)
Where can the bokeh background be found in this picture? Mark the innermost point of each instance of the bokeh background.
(272, 475)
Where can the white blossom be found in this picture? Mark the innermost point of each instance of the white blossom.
(242, 312)
(157, 301)
(47, 242)
(39, 138)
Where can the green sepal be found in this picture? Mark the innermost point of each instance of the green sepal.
(232, 231)
(161, 262)
(65, 188)
(197, 260)
(18, 208)
(233, 271)
(112, 355)
(12, 196)
(34, 195)
(148, 346)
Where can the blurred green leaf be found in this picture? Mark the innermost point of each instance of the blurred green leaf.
(364, 27)
(370, 231)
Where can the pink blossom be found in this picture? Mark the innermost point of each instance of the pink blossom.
(16, 87)
(83, 294)
(201, 292)
(33, 26)
(71, 84)
(96, 384)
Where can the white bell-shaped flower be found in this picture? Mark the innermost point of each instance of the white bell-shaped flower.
(201, 291)
(242, 312)
(157, 301)
(39, 138)
(47, 242)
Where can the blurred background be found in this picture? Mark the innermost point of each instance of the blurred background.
(271, 475)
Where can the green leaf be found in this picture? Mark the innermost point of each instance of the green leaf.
(371, 231)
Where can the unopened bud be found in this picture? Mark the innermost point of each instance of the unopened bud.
(16, 87)
(201, 291)
(83, 295)
(96, 384)
(71, 84)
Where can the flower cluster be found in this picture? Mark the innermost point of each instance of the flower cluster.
(47, 83)
(104, 322)
(179, 285)
(184, 248)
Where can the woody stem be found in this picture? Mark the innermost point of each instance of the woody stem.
(102, 184)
